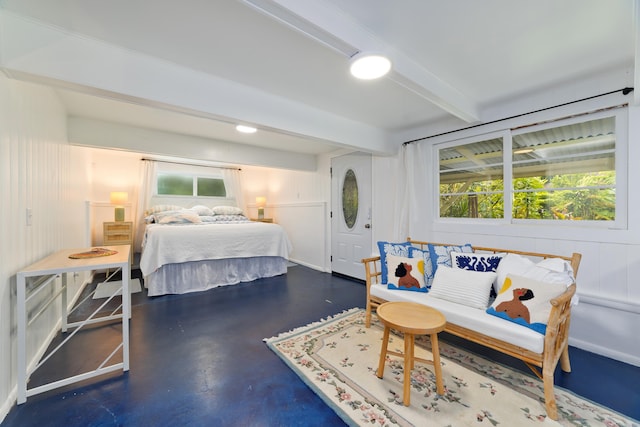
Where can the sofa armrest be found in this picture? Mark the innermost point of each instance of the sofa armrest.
(557, 333)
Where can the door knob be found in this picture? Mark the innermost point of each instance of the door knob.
(367, 226)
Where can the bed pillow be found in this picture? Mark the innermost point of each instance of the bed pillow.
(223, 219)
(161, 208)
(387, 248)
(441, 254)
(471, 288)
(550, 270)
(184, 216)
(226, 210)
(526, 301)
(405, 273)
(428, 266)
(201, 210)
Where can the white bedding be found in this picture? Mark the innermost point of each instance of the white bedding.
(171, 244)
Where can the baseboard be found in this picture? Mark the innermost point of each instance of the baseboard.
(605, 351)
(306, 264)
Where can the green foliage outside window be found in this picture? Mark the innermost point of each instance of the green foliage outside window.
(175, 185)
(186, 185)
(212, 187)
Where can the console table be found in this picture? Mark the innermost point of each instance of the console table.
(44, 273)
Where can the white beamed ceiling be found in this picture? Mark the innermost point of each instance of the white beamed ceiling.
(199, 67)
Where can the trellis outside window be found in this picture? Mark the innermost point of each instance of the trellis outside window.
(566, 170)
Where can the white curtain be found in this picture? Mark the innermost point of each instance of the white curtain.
(412, 192)
(233, 181)
(145, 192)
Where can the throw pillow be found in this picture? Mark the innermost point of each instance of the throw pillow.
(550, 270)
(441, 254)
(386, 248)
(526, 301)
(201, 210)
(428, 266)
(178, 217)
(406, 273)
(465, 287)
(476, 261)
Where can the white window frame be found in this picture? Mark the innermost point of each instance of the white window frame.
(621, 167)
(194, 184)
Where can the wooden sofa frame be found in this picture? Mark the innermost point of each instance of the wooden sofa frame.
(556, 338)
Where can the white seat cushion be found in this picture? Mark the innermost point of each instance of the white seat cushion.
(468, 317)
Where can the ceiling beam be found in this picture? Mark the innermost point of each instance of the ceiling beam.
(335, 29)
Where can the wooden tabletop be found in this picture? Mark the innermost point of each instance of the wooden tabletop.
(411, 317)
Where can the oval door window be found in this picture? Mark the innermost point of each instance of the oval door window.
(350, 198)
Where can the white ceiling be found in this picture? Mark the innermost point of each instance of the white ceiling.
(454, 61)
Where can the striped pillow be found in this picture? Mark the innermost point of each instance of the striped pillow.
(466, 287)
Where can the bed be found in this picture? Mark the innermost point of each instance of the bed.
(185, 252)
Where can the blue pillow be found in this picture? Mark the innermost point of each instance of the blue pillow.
(441, 254)
(386, 248)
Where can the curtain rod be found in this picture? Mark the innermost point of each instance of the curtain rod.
(188, 164)
(625, 91)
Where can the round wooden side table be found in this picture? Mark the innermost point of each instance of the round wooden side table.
(411, 319)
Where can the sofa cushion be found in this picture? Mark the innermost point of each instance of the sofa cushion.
(550, 270)
(526, 301)
(387, 248)
(465, 287)
(406, 273)
(471, 318)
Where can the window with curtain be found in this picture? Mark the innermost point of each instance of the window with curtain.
(175, 184)
(566, 170)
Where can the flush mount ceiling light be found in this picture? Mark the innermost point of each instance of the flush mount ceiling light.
(246, 129)
(369, 66)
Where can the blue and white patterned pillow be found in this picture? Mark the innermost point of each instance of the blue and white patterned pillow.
(476, 261)
(386, 248)
(441, 254)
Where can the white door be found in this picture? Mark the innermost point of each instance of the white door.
(350, 213)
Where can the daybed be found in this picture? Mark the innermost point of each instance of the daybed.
(539, 349)
(190, 250)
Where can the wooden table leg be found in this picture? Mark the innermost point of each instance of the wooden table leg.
(383, 352)
(435, 350)
(408, 362)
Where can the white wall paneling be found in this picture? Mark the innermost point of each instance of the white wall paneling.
(305, 226)
(43, 187)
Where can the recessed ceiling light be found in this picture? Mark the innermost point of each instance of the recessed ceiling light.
(368, 66)
(246, 129)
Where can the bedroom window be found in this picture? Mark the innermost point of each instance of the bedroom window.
(188, 185)
(568, 170)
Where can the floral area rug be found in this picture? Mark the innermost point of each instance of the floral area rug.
(338, 358)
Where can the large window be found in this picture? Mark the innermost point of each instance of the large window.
(173, 184)
(558, 171)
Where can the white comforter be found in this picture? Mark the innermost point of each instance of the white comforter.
(169, 244)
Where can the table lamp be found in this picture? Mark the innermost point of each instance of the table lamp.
(119, 198)
(261, 201)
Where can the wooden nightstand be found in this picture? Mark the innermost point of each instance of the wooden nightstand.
(118, 233)
(262, 219)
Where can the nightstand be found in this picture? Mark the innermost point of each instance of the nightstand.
(118, 233)
(262, 219)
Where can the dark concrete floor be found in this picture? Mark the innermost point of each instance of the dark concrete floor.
(199, 360)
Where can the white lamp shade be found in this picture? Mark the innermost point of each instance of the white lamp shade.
(261, 201)
(119, 197)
